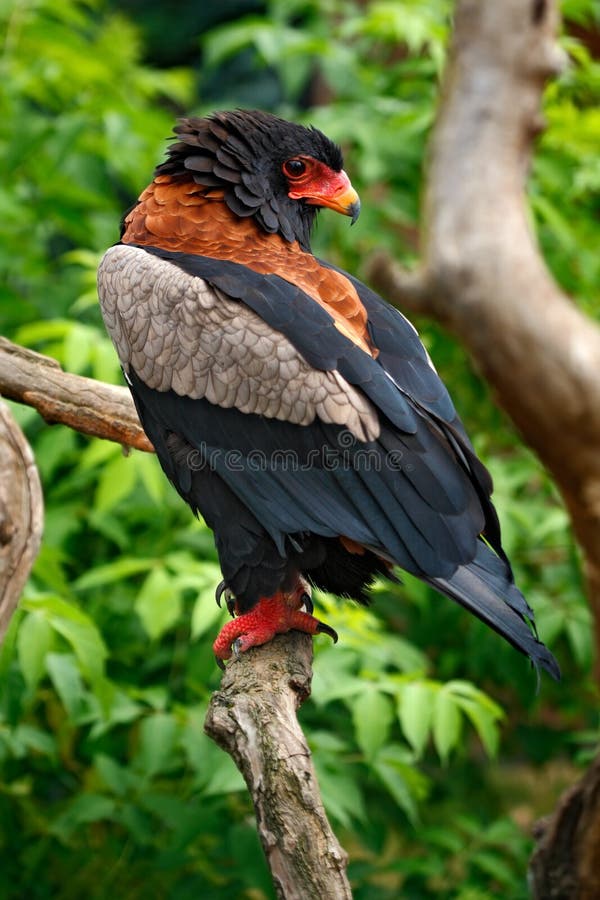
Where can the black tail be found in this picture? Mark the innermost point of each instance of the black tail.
(485, 587)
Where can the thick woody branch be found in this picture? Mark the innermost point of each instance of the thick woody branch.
(253, 717)
(91, 407)
(408, 289)
(21, 514)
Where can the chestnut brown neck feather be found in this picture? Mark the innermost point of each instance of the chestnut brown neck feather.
(242, 152)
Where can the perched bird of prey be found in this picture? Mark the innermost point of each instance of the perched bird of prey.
(289, 405)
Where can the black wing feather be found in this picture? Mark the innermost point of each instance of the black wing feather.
(425, 513)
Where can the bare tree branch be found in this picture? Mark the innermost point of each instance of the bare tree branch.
(89, 406)
(253, 717)
(408, 289)
(482, 274)
(21, 514)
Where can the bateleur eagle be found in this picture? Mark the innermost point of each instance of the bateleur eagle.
(288, 404)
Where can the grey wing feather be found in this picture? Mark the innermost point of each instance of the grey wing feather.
(179, 333)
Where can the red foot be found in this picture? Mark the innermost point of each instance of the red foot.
(271, 616)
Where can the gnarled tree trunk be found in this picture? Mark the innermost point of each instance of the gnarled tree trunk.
(482, 276)
(21, 514)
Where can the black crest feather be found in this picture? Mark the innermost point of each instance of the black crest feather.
(242, 151)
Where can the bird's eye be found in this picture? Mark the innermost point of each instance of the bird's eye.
(294, 168)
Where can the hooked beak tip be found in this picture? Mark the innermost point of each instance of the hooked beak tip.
(354, 211)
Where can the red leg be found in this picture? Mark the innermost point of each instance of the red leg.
(271, 616)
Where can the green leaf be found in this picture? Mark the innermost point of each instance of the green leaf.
(122, 710)
(169, 808)
(398, 788)
(342, 796)
(493, 865)
(44, 330)
(35, 639)
(446, 723)
(137, 822)
(224, 778)
(415, 708)
(122, 568)
(117, 778)
(157, 604)
(77, 628)
(483, 713)
(98, 452)
(64, 674)
(396, 770)
(554, 216)
(206, 613)
(86, 808)
(580, 630)
(372, 716)
(78, 347)
(484, 722)
(216, 773)
(152, 476)
(35, 739)
(158, 736)
(116, 482)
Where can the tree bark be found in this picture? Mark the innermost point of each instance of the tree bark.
(89, 406)
(253, 718)
(21, 514)
(566, 863)
(482, 274)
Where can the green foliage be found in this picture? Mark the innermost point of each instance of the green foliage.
(108, 784)
(80, 117)
(567, 174)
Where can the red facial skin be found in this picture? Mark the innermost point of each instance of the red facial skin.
(321, 186)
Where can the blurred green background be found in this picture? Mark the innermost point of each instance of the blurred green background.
(434, 751)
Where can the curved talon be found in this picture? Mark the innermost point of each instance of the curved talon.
(220, 663)
(306, 602)
(221, 588)
(237, 648)
(229, 598)
(322, 628)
